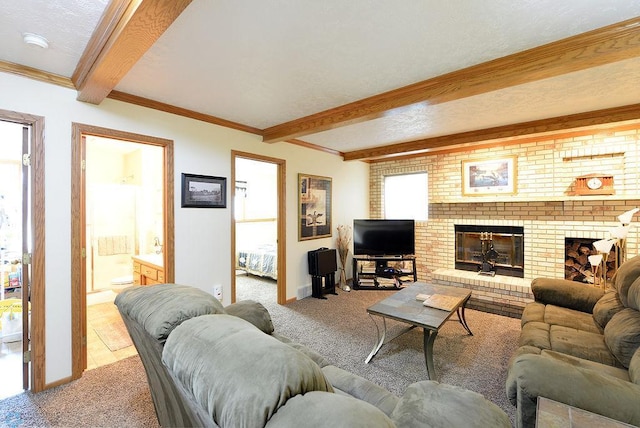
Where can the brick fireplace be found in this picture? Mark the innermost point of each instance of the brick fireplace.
(490, 250)
(544, 206)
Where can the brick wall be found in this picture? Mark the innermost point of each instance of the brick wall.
(544, 203)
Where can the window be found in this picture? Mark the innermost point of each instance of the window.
(406, 196)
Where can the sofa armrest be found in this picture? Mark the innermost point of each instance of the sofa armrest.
(531, 376)
(565, 293)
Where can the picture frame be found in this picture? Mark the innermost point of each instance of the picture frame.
(314, 202)
(483, 177)
(203, 191)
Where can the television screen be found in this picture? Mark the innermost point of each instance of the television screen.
(383, 237)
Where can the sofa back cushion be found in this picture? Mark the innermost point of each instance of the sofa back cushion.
(161, 308)
(607, 307)
(634, 367)
(236, 373)
(633, 295)
(622, 335)
(625, 276)
(252, 311)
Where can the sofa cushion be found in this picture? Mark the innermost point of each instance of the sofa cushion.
(254, 312)
(535, 334)
(533, 312)
(555, 315)
(627, 274)
(634, 367)
(581, 344)
(234, 371)
(618, 372)
(622, 335)
(633, 296)
(607, 306)
(433, 404)
(161, 308)
(320, 409)
(361, 388)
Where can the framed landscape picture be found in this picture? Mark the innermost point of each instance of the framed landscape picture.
(481, 177)
(314, 200)
(203, 191)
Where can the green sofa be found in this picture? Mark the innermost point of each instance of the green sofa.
(209, 365)
(580, 345)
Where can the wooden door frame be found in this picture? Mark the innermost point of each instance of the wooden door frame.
(78, 222)
(37, 289)
(281, 165)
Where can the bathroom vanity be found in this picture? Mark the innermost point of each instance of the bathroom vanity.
(148, 269)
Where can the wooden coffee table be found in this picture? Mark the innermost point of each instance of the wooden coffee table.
(403, 306)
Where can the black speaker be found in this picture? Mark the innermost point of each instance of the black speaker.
(322, 261)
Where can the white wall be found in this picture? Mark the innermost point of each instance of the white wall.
(202, 236)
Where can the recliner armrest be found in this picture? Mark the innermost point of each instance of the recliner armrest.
(531, 376)
(565, 293)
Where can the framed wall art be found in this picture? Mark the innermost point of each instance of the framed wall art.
(203, 191)
(481, 177)
(314, 200)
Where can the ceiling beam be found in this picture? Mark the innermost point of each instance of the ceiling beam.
(128, 29)
(593, 118)
(595, 48)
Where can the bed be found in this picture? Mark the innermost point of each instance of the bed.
(259, 260)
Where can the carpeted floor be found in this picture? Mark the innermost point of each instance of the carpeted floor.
(115, 395)
(339, 328)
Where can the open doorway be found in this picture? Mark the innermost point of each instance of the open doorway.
(258, 244)
(123, 234)
(14, 302)
(32, 229)
(124, 222)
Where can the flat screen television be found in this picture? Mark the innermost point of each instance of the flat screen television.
(383, 237)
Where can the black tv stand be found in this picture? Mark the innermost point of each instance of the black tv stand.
(376, 278)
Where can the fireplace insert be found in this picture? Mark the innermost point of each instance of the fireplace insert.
(490, 249)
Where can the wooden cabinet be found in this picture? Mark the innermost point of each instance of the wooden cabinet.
(148, 269)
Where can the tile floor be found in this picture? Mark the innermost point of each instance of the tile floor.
(98, 354)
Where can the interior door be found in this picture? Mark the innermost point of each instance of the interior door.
(26, 253)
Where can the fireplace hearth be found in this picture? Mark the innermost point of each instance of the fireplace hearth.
(490, 250)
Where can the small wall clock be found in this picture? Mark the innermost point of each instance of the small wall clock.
(594, 184)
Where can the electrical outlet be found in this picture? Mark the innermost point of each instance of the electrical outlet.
(217, 292)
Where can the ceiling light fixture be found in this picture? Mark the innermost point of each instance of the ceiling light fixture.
(36, 40)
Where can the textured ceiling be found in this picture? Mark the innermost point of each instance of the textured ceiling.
(67, 25)
(262, 63)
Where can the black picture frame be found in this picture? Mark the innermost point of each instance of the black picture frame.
(314, 211)
(203, 191)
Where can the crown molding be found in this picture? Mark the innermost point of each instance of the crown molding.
(34, 73)
(168, 108)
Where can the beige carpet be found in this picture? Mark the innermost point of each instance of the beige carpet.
(115, 395)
